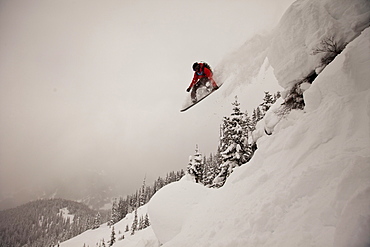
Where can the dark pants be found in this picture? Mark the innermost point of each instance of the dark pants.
(201, 83)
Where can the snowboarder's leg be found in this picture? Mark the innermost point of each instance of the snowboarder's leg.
(212, 83)
(194, 93)
(201, 83)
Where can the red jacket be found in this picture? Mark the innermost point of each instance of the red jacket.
(205, 73)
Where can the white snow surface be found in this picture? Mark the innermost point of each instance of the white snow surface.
(95, 237)
(169, 210)
(64, 212)
(304, 25)
(308, 183)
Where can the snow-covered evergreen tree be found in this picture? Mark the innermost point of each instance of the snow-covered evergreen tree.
(206, 171)
(112, 237)
(97, 221)
(122, 208)
(294, 99)
(248, 142)
(195, 166)
(141, 223)
(142, 194)
(268, 100)
(277, 95)
(88, 223)
(234, 147)
(115, 214)
(257, 115)
(146, 221)
(211, 169)
(134, 224)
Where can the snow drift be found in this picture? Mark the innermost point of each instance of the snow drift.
(304, 25)
(181, 197)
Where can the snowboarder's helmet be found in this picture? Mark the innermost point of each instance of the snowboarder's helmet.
(196, 66)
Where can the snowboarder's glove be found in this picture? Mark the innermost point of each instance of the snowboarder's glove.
(188, 90)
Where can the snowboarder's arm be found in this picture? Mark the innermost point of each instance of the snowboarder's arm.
(209, 75)
(195, 79)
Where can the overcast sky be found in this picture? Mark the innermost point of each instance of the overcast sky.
(98, 85)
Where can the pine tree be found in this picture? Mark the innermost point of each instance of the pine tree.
(250, 125)
(115, 214)
(277, 95)
(259, 114)
(122, 208)
(234, 147)
(268, 100)
(141, 223)
(211, 169)
(195, 166)
(142, 194)
(88, 223)
(248, 142)
(146, 221)
(294, 99)
(97, 221)
(134, 224)
(205, 171)
(112, 237)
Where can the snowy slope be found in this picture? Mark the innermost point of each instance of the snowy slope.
(95, 237)
(308, 183)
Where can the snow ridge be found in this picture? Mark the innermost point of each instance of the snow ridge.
(304, 25)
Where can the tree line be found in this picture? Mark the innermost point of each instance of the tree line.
(45, 223)
(122, 206)
(125, 205)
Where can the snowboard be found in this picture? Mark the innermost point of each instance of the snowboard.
(202, 93)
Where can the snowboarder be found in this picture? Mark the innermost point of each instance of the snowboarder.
(202, 75)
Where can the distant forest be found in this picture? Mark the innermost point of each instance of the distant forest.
(45, 222)
(122, 206)
(48, 222)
